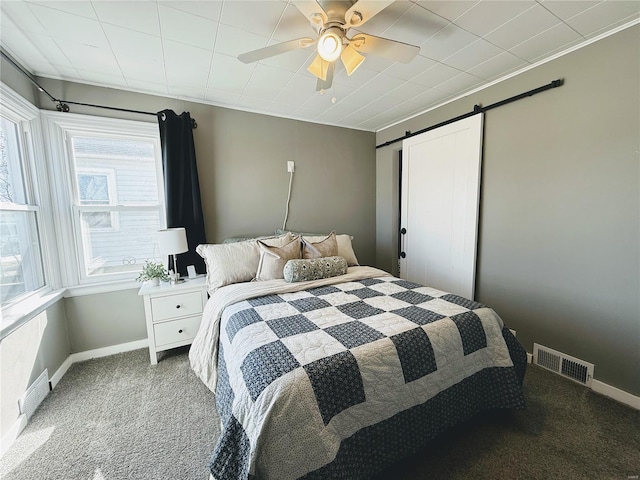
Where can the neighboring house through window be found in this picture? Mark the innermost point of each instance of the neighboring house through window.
(115, 203)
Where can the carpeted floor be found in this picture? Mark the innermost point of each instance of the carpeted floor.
(119, 417)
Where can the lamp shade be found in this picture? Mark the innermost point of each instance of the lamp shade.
(173, 241)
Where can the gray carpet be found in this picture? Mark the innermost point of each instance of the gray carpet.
(120, 418)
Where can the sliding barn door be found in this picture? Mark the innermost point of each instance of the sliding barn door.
(439, 206)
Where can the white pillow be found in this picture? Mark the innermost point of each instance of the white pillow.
(229, 263)
(344, 246)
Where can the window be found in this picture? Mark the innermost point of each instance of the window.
(115, 201)
(21, 263)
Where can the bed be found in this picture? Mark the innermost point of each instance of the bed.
(339, 377)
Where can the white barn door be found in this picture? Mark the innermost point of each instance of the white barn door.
(439, 206)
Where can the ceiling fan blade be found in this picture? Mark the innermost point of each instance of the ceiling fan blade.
(326, 84)
(367, 10)
(383, 47)
(276, 49)
(312, 11)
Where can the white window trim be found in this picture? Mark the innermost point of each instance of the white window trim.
(56, 125)
(18, 109)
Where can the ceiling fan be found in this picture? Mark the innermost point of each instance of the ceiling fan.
(331, 20)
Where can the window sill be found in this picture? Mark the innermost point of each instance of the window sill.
(106, 287)
(19, 314)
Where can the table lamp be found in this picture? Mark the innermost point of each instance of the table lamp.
(173, 241)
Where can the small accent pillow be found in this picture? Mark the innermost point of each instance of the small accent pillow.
(303, 270)
(327, 247)
(273, 259)
(345, 249)
(233, 262)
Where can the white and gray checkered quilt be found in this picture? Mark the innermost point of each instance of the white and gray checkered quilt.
(337, 380)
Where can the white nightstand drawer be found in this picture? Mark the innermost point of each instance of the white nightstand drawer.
(179, 305)
(174, 331)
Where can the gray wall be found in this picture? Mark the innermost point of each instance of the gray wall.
(559, 232)
(242, 165)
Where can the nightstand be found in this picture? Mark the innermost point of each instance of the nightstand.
(173, 313)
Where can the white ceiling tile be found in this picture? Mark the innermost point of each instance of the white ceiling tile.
(180, 90)
(255, 17)
(148, 47)
(385, 18)
(148, 86)
(293, 25)
(604, 16)
(498, 66)
(407, 71)
(377, 63)
(293, 60)
(19, 16)
(186, 28)
(478, 52)
(380, 85)
(57, 24)
(229, 74)
(234, 41)
(459, 84)
(361, 76)
(486, 16)
(48, 51)
(186, 64)
(136, 69)
(448, 9)
(406, 91)
(415, 26)
(528, 24)
(140, 16)
(267, 82)
(564, 9)
(547, 43)
(88, 57)
(253, 103)
(297, 91)
(436, 75)
(221, 97)
(446, 42)
(84, 9)
(210, 9)
(29, 53)
(102, 78)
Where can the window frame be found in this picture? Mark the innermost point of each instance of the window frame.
(38, 195)
(58, 128)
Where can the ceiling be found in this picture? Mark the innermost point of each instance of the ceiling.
(188, 49)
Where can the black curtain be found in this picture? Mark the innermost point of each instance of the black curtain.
(181, 186)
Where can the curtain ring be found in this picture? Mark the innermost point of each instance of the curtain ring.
(163, 116)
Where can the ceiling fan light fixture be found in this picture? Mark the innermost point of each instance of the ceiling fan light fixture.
(330, 44)
(351, 59)
(319, 67)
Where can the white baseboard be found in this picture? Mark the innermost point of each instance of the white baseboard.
(616, 394)
(106, 351)
(10, 437)
(59, 373)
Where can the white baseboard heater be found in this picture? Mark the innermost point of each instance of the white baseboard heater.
(34, 395)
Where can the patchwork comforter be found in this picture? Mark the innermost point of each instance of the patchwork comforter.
(337, 378)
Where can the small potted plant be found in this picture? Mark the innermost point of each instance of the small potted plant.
(152, 273)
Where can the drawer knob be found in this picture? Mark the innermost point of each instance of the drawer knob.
(177, 306)
(180, 331)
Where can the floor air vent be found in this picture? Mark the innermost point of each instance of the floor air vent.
(563, 364)
(34, 395)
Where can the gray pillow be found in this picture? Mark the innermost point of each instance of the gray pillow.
(302, 270)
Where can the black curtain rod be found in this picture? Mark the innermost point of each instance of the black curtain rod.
(62, 105)
(476, 109)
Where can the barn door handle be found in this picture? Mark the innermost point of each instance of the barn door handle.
(403, 255)
(403, 231)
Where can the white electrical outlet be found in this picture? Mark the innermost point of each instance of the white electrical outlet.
(290, 167)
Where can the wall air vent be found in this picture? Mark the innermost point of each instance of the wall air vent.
(563, 364)
(34, 395)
